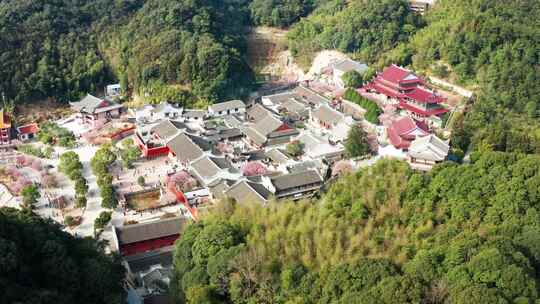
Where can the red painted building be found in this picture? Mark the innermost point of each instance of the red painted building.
(403, 131)
(408, 89)
(149, 149)
(145, 237)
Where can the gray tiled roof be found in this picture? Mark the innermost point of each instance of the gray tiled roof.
(429, 148)
(227, 105)
(255, 136)
(194, 113)
(309, 140)
(201, 142)
(91, 103)
(219, 187)
(280, 97)
(204, 167)
(277, 156)
(207, 166)
(256, 155)
(258, 112)
(167, 128)
(246, 191)
(326, 114)
(224, 134)
(185, 148)
(306, 166)
(294, 106)
(293, 180)
(232, 121)
(310, 96)
(143, 261)
(267, 125)
(148, 231)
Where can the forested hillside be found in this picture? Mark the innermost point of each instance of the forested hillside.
(281, 13)
(64, 49)
(197, 45)
(461, 234)
(49, 48)
(366, 29)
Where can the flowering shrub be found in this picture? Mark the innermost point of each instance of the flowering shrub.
(253, 169)
(341, 167)
(181, 181)
(36, 165)
(19, 184)
(224, 148)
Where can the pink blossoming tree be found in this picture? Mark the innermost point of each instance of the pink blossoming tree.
(181, 181)
(341, 167)
(253, 168)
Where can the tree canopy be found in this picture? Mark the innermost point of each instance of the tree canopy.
(357, 143)
(42, 264)
(382, 235)
(365, 28)
(175, 50)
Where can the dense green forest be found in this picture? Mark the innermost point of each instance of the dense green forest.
(281, 13)
(197, 45)
(40, 263)
(49, 48)
(366, 29)
(63, 49)
(460, 234)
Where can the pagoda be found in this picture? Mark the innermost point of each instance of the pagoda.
(408, 90)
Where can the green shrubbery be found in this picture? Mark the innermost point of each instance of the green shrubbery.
(102, 220)
(357, 143)
(372, 109)
(30, 150)
(100, 163)
(280, 13)
(295, 148)
(52, 134)
(71, 166)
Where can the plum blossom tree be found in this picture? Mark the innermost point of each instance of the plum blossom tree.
(20, 160)
(341, 167)
(181, 181)
(36, 165)
(13, 172)
(224, 147)
(169, 197)
(20, 184)
(253, 168)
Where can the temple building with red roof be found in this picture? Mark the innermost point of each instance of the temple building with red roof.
(404, 130)
(408, 91)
